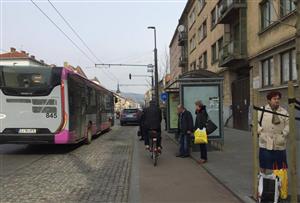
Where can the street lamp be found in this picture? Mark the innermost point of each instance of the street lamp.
(155, 65)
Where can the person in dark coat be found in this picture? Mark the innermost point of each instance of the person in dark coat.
(185, 129)
(152, 121)
(165, 117)
(201, 121)
(142, 126)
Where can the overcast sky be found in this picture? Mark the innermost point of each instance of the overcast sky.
(116, 31)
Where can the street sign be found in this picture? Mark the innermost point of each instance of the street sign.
(164, 96)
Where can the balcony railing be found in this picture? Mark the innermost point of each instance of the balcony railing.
(232, 54)
(183, 60)
(228, 10)
(182, 38)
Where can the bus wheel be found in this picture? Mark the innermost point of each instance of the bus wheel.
(89, 137)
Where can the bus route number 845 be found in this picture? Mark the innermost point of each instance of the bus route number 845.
(51, 115)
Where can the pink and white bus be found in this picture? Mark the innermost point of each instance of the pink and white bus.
(51, 105)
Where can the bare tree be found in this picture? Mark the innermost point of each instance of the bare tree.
(164, 64)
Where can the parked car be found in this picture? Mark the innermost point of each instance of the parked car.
(130, 116)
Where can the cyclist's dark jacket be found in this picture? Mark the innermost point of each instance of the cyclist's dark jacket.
(152, 117)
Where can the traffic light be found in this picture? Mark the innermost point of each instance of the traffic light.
(130, 76)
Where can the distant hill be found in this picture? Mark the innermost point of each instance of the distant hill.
(137, 97)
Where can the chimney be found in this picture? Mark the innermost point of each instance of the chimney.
(27, 54)
(23, 52)
(32, 56)
(12, 49)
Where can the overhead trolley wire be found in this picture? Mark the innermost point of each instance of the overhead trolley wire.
(80, 38)
(74, 31)
(62, 31)
(69, 25)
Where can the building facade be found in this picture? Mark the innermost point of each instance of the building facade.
(251, 44)
(175, 57)
(201, 39)
(233, 57)
(19, 58)
(272, 46)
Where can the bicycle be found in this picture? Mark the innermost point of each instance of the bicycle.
(153, 146)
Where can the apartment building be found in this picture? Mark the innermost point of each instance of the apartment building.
(233, 57)
(272, 46)
(200, 41)
(250, 43)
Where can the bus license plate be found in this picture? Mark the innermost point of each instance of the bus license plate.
(27, 130)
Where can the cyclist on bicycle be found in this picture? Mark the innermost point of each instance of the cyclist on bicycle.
(152, 119)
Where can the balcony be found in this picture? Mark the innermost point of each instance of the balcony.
(229, 9)
(232, 55)
(183, 61)
(182, 38)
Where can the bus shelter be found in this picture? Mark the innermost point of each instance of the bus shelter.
(173, 100)
(198, 85)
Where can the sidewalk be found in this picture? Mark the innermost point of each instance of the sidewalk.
(233, 166)
(174, 179)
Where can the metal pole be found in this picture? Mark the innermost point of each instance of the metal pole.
(255, 143)
(156, 70)
(292, 143)
(152, 81)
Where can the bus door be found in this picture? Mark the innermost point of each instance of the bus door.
(77, 106)
(98, 110)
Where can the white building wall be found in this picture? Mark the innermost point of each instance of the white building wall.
(18, 63)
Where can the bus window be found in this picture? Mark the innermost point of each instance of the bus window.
(30, 81)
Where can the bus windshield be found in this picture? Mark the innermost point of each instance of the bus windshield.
(27, 80)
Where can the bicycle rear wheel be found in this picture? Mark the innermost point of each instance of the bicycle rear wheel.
(154, 153)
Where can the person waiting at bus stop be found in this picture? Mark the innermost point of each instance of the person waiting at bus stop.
(185, 129)
(201, 121)
(273, 130)
(152, 121)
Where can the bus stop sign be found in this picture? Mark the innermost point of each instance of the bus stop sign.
(164, 96)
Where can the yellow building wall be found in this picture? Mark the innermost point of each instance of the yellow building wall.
(212, 35)
(259, 42)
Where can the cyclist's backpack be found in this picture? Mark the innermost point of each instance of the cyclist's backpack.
(268, 188)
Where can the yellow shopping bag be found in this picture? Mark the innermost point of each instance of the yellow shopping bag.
(200, 136)
(282, 174)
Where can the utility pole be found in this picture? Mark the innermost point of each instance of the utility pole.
(156, 72)
(155, 67)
